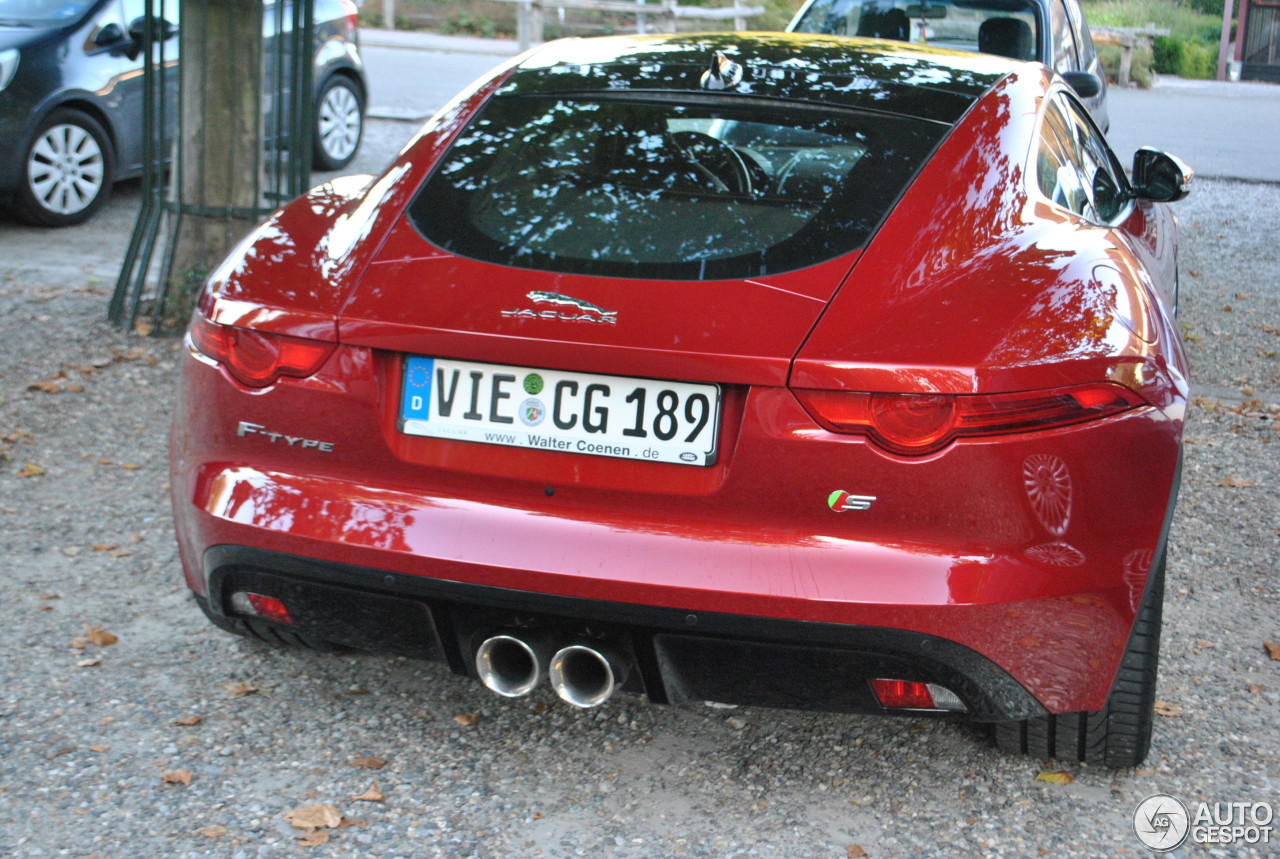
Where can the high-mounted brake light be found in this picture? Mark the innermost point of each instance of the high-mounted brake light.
(918, 424)
(256, 358)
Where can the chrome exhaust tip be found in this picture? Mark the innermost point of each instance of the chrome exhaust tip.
(584, 676)
(509, 666)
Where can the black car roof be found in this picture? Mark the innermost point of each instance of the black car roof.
(829, 70)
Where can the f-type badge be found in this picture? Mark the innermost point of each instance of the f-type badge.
(575, 310)
(842, 502)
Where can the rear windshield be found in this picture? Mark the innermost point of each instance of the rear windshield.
(1008, 28)
(631, 187)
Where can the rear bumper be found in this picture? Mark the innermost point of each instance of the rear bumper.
(954, 558)
(676, 655)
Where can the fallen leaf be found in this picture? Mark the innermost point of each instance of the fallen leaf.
(314, 838)
(369, 763)
(98, 748)
(133, 354)
(371, 795)
(46, 608)
(1193, 272)
(855, 851)
(105, 547)
(239, 690)
(215, 831)
(30, 470)
(466, 720)
(1273, 650)
(357, 691)
(190, 720)
(351, 821)
(1235, 483)
(1202, 643)
(53, 386)
(51, 596)
(1255, 688)
(320, 816)
(130, 466)
(99, 636)
(1164, 708)
(89, 663)
(1055, 777)
(182, 777)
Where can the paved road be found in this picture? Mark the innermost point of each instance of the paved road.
(1223, 130)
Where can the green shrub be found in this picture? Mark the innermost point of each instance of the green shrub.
(1207, 7)
(1186, 58)
(1180, 18)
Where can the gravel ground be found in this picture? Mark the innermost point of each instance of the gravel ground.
(95, 760)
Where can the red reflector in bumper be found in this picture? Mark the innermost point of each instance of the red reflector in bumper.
(267, 608)
(912, 695)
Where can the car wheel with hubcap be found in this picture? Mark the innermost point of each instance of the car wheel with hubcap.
(67, 170)
(339, 124)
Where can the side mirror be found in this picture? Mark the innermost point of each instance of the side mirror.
(109, 35)
(1159, 176)
(1085, 84)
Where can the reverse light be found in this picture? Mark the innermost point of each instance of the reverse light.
(259, 605)
(919, 424)
(913, 695)
(257, 358)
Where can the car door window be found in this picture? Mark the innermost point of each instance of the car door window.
(1065, 56)
(1084, 40)
(1074, 167)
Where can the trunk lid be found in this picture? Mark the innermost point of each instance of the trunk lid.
(418, 299)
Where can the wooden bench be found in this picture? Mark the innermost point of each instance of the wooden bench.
(1126, 39)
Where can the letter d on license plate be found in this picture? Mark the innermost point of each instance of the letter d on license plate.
(586, 413)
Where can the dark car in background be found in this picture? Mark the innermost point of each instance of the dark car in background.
(71, 99)
(1053, 32)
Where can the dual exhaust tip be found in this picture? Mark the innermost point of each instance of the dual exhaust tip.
(582, 675)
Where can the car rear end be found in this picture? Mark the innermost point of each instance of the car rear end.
(562, 394)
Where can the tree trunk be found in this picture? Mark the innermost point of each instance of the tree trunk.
(218, 169)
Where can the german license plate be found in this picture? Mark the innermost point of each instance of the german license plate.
(585, 413)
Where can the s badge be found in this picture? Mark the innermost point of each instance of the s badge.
(841, 501)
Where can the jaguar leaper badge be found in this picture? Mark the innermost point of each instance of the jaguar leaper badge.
(585, 310)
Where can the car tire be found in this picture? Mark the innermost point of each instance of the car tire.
(1118, 735)
(268, 633)
(67, 170)
(339, 124)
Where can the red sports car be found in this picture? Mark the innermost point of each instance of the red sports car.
(783, 370)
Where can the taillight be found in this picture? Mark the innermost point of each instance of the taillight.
(256, 358)
(353, 15)
(918, 424)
